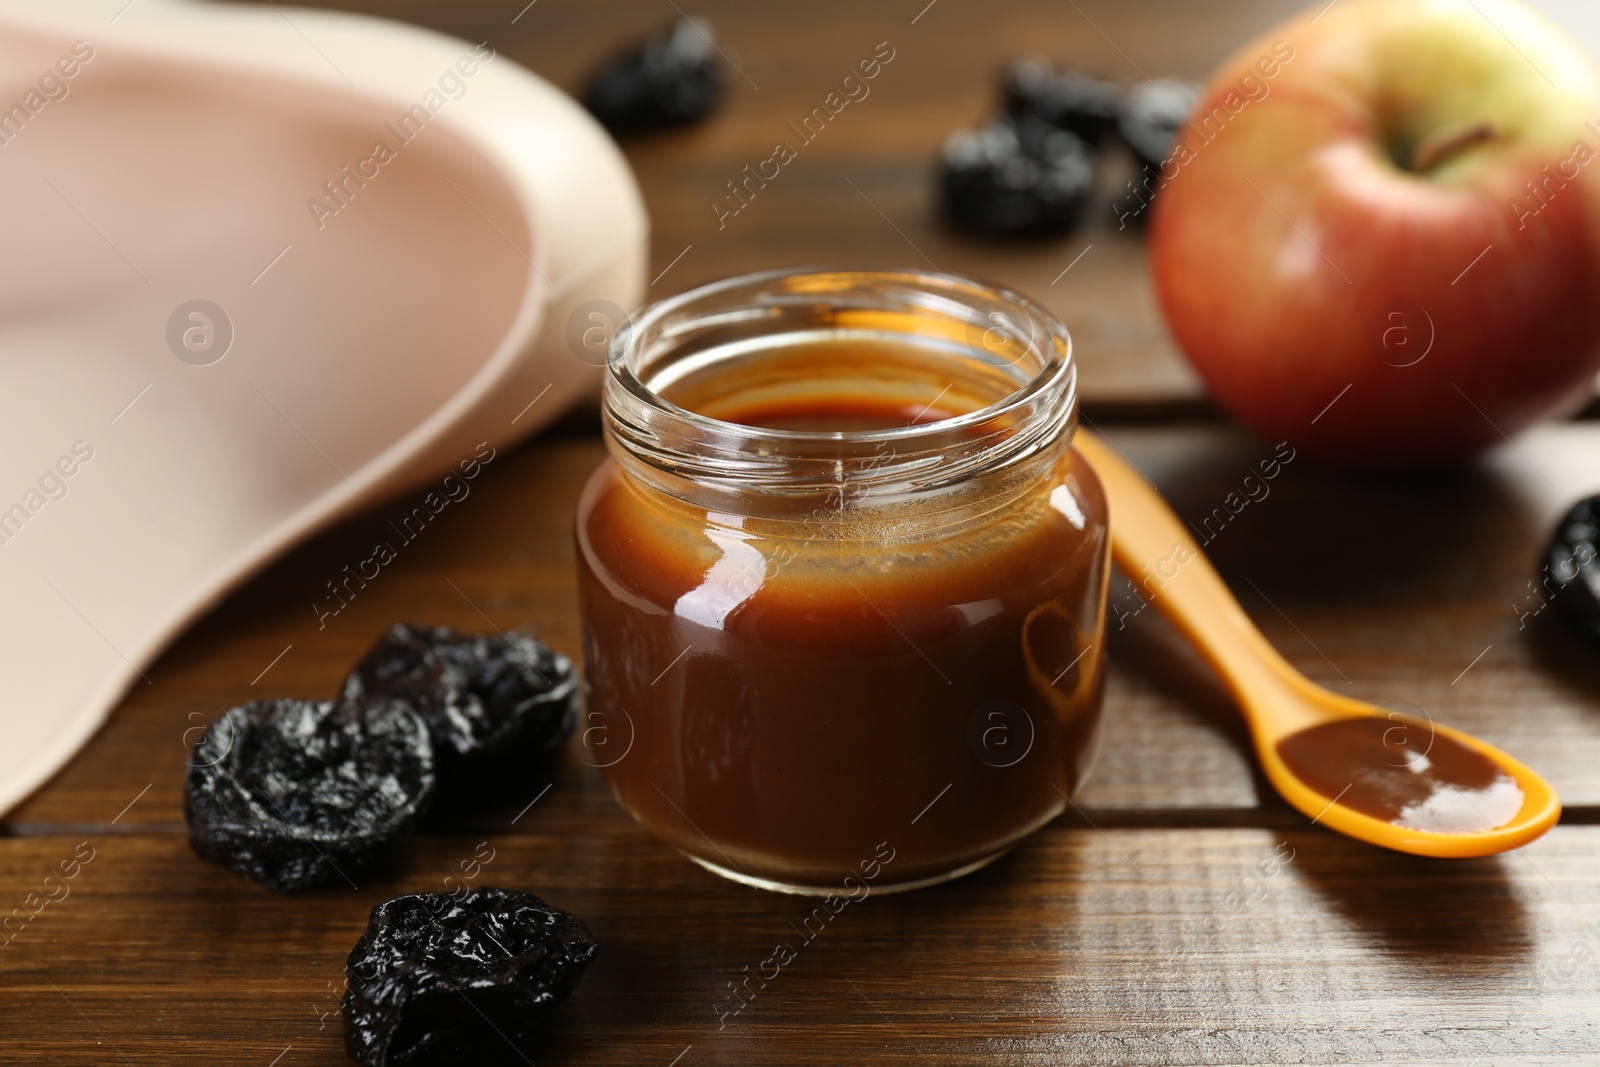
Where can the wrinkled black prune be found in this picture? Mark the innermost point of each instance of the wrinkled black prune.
(441, 978)
(1572, 566)
(299, 794)
(498, 699)
(671, 79)
(1015, 179)
(1151, 115)
(1068, 100)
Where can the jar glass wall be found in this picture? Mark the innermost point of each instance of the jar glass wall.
(843, 579)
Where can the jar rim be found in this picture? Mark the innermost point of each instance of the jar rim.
(620, 371)
(689, 451)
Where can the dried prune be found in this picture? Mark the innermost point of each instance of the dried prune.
(1572, 566)
(1015, 179)
(1151, 115)
(1078, 103)
(298, 794)
(671, 79)
(441, 978)
(497, 699)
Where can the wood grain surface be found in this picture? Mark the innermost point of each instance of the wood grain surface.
(1141, 928)
(1179, 914)
(1412, 592)
(861, 192)
(1130, 946)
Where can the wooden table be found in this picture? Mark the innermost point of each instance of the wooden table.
(1180, 914)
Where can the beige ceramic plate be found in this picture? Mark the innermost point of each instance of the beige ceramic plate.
(262, 267)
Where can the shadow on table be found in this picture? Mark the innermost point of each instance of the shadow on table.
(1463, 917)
(491, 797)
(1319, 540)
(1325, 542)
(1148, 646)
(696, 962)
(1559, 648)
(1324, 537)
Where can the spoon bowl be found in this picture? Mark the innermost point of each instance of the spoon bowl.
(1539, 810)
(1153, 547)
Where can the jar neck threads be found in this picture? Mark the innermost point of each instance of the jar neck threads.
(995, 370)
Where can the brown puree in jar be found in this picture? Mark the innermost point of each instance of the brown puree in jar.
(1403, 773)
(801, 688)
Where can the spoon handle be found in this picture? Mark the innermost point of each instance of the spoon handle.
(1154, 549)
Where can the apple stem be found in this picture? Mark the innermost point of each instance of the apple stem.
(1438, 147)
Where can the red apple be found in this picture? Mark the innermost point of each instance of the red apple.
(1378, 236)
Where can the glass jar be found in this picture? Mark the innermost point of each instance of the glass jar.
(843, 579)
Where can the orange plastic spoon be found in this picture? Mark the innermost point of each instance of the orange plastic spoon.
(1151, 544)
